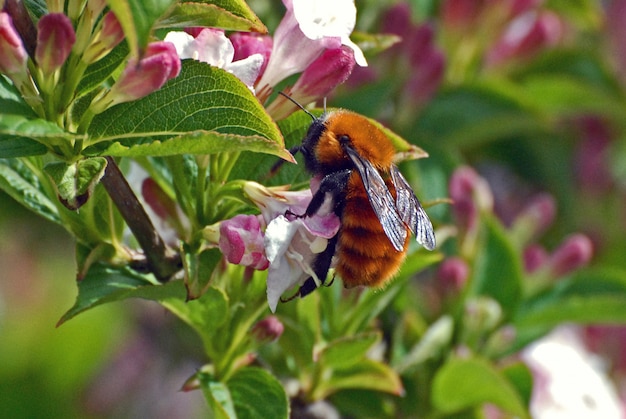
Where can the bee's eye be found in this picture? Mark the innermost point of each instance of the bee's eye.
(343, 139)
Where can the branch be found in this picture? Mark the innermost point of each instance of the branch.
(162, 261)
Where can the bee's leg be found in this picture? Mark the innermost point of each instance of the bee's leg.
(333, 184)
(321, 265)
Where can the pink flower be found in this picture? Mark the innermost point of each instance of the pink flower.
(306, 30)
(470, 194)
(159, 64)
(241, 242)
(55, 39)
(452, 275)
(535, 256)
(211, 46)
(292, 241)
(328, 71)
(13, 56)
(248, 44)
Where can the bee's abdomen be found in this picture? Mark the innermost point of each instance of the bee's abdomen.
(365, 255)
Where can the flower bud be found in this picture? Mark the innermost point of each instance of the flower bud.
(159, 64)
(535, 257)
(470, 194)
(109, 36)
(452, 276)
(535, 217)
(55, 39)
(328, 71)
(13, 56)
(575, 252)
(241, 241)
(527, 34)
(268, 330)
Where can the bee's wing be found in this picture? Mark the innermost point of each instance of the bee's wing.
(411, 211)
(381, 200)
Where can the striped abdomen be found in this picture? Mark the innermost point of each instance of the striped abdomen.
(365, 256)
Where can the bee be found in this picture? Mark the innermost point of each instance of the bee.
(375, 203)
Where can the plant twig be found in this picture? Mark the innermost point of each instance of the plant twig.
(162, 261)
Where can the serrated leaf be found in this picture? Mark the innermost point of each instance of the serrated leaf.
(345, 352)
(19, 183)
(105, 284)
(463, 384)
(75, 182)
(137, 18)
(204, 110)
(497, 270)
(218, 397)
(257, 394)
(232, 15)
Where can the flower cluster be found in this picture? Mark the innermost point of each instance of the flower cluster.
(312, 39)
(74, 44)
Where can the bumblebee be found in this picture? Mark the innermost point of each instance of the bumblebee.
(376, 205)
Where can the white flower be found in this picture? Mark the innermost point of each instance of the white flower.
(568, 380)
(307, 29)
(214, 48)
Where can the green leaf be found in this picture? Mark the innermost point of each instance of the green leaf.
(11, 101)
(75, 182)
(218, 397)
(21, 184)
(344, 352)
(102, 69)
(367, 375)
(590, 296)
(463, 384)
(204, 110)
(137, 18)
(372, 44)
(198, 270)
(257, 394)
(105, 284)
(497, 270)
(21, 136)
(431, 345)
(232, 15)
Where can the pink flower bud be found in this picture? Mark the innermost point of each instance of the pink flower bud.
(159, 201)
(535, 218)
(109, 36)
(241, 242)
(268, 330)
(397, 20)
(575, 252)
(159, 64)
(13, 56)
(470, 194)
(452, 275)
(592, 155)
(526, 35)
(328, 71)
(535, 257)
(55, 39)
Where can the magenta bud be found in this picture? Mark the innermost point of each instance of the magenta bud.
(575, 252)
(535, 217)
(241, 241)
(535, 257)
(397, 20)
(328, 71)
(159, 64)
(268, 330)
(527, 34)
(55, 39)
(13, 56)
(470, 193)
(452, 275)
(112, 33)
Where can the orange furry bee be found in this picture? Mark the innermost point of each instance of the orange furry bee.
(374, 202)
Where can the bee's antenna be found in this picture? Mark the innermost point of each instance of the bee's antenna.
(300, 106)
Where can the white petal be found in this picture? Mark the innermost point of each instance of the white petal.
(324, 18)
(247, 70)
(183, 42)
(358, 54)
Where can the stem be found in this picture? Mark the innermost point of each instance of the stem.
(162, 261)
